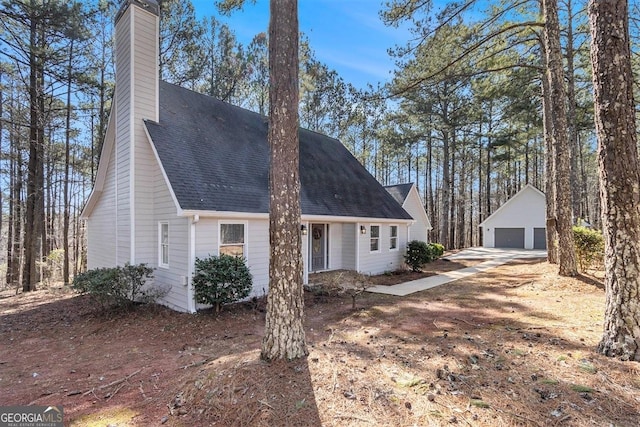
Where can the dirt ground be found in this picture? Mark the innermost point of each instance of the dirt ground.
(513, 346)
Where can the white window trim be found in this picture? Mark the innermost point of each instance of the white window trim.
(246, 235)
(161, 264)
(379, 238)
(397, 237)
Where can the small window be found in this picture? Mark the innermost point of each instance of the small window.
(164, 244)
(232, 239)
(375, 238)
(393, 241)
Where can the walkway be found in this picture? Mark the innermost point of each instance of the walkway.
(494, 257)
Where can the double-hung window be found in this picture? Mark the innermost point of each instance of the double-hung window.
(393, 240)
(375, 238)
(232, 239)
(163, 239)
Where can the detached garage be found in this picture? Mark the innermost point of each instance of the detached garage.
(519, 223)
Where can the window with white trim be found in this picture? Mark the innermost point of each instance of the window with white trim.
(393, 239)
(163, 240)
(232, 239)
(375, 238)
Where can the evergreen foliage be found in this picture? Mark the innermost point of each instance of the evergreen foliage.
(589, 247)
(221, 280)
(118, 286)
(420, 253)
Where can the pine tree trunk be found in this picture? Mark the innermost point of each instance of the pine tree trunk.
(572, 119)
(563, 217)
(452, 196)
(619, 176)
(14, 244)
(487, 182)
(429, 183)
(10, 218)
(34, 188)
(446, 186)
(284, 333)
(549, 184)
(67, 149)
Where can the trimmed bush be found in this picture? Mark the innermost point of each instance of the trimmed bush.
(221, 280)
(134, 278)
(117, 286)
(420, 253)
(436, 249)
(589, 245)
(98, 283)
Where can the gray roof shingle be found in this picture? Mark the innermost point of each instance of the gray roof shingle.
(399, 191)
(216, 157)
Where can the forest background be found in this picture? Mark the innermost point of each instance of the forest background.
(461, 117)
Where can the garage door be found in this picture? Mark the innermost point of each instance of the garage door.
(509, 237)
(539, 238)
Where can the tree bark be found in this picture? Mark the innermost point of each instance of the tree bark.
(14, 240)
(549, 184)
(429, 179)
(446, 188)
(284, 333)
(619, 176)
(563, 217)
(572, 120)
(67, 149)
(33, 220)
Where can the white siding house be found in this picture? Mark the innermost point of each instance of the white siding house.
(519, 223)
(184, 176)
(407, 195)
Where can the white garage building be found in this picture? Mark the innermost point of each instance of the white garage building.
(519, 223)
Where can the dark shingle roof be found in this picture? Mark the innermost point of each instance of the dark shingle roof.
(216, 157)
(399, 191)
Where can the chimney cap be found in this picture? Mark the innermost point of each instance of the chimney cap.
(148, 5)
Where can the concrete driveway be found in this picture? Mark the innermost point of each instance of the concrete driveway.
(493, 253)
(493, 256)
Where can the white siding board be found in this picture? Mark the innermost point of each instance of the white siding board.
(335, 247)
(384, 260)
(171, 278)
(258, 259)
(413, 205)
(349, 236)
(257, 245)
(145, 171)
(123, 126)
(144, 96)
(101, 225)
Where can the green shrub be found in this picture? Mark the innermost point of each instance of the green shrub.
(97, 283)
(117, 286)
(436, 250)
(589, 245)
(133, 278)
(420, 253)
(221, 280)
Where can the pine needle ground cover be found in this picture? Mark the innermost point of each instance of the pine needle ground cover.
(512, 346)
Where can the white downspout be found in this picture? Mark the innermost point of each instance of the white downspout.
(191, 301)
(358, 225)
(305, 254)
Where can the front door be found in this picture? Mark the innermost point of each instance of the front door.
(318, 244)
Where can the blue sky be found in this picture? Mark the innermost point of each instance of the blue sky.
(346, 35)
